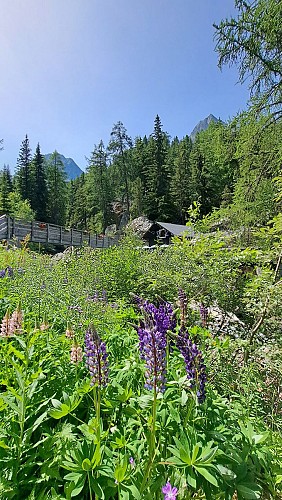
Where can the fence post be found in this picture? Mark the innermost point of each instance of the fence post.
(8, 228)
(48, 233)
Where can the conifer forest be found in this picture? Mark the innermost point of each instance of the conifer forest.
(152, 374)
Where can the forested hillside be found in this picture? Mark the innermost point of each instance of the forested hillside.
(232, 167)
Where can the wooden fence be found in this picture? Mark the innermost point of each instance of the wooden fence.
(41, 232)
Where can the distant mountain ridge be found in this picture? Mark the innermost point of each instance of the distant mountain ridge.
(72, 169)
(203, 125)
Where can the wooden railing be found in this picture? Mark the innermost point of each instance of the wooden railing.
(42, 232)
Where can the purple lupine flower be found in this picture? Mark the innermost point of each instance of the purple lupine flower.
(170, 492)
(96, 358)
(162, 317)
(98, 298)
(152, 345)
(194, 363)
(132, 462)
(152, 334)
(2, 273)
(183, 302)
(10, 271)
(93, 298)
(75, 308)
(204, 314)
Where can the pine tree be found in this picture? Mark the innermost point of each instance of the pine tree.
(6, 187)
(118, 146)
(77, 203)
(252, 41)
(98, 188)
(156, 175)
(181, 179)
(57, 190)
(39, 192)
(23, 171)
(137, 185)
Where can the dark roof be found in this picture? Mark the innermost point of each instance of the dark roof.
(177, 229)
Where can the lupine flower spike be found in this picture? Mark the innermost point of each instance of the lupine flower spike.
(170, 492)
(69, 332)
(183, 301)
(16, 322)
(76, 354)
(12, 324)
(44, 325)
(194, 364)
(5, 325)
(153, 342)
(96, 358)
(204, 315)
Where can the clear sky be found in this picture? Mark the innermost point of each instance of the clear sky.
(70, 69)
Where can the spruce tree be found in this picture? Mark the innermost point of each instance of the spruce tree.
(6, 187)
(98, 188)
(156, 174)
(23, 171)
(118, 146)
(39, 192)
(77, 213)
(181, 180)
(57, 190)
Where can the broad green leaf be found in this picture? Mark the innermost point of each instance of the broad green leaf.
(10, 403)
(3, 445)
(95, 485)
(260, 438)
(184, 456)
(145, 400)
(97, 456)
(184, 397)
(123, 494)
(195, 452)
(191, 479)
(78, 487)
(59, 413)
(225, 472)
(120, 473)
(86, 464)
(206, 456)
(206, 474)
(176, 461)
(135, 492)
(249, 491)
(74, 476)
(18, 354)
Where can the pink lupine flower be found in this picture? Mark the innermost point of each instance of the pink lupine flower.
(16, 322)
(5, 326)
(76, 354)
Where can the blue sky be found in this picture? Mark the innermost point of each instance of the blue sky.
(70, 69)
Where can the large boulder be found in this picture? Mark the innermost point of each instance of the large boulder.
(140, 226)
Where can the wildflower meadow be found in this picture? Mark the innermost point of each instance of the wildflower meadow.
(119, 381)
